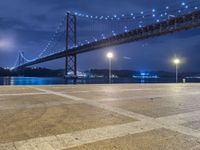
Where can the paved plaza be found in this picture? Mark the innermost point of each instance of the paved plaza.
(100, 117)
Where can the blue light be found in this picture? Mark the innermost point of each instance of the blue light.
(125, 29)
(95, 39)
(167, 7)
(103, 36)
(113, 32)
(142, 12)
(153, 10)
(142, 74)
(183, 3)
(186, 6)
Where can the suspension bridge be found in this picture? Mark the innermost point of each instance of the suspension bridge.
(79, 33)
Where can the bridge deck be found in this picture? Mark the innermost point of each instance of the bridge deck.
(176, 24)
(84, 117)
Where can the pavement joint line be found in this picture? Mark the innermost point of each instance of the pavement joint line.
(21, 94)
(142, 97)
(167, 123)
(179, 128)
(99, 91)
(99, 105)
(74, 139)
(78, 138)
(118, 90)
(59, 94)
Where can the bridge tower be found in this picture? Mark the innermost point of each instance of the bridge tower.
(71, 38)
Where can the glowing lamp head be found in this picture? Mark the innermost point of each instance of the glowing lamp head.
(176, 61)
(110, 55)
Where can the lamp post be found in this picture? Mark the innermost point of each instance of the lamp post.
(177, 62)
(110, 56)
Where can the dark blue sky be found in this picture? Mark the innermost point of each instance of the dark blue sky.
(27, 25)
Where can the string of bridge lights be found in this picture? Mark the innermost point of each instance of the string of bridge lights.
(154, 13)
(26, 59)
(142, 14)
(15, 64)
(184, 6)
(60, 25)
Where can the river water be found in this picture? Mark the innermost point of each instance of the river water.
(54, 80)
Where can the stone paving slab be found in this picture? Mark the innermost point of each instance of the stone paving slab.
(16, 90)
(159, 106)
(32, 101)
(193, 124)
(108, 88)
(39, 122)
(159, 139)
(118, 116)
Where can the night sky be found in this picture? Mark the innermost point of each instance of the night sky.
(27, 25)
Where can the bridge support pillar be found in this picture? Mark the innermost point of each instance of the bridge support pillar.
(71, 40)
(71, 66)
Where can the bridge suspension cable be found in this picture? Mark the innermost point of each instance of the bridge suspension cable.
(94, 28)
(101, 27)
(177, 8)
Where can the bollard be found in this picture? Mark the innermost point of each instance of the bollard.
(184, 80)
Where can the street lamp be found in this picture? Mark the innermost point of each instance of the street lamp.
(110, 56)
(177, 62)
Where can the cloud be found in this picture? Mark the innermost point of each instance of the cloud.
(127, 58)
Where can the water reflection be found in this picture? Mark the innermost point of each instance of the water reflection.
(50, 81)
